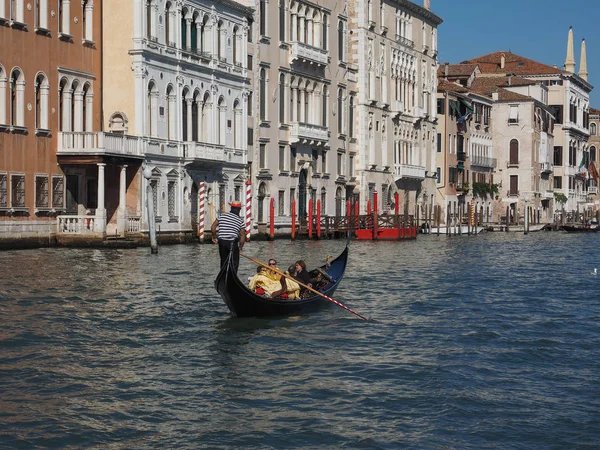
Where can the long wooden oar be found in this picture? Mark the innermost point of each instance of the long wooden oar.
(274, 269)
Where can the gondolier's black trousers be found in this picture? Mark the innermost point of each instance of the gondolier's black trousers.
(225, 247)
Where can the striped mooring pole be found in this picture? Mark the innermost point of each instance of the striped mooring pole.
(201, 204)
(248, 208)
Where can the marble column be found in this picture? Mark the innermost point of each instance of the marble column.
(122, 211)
(100, 224)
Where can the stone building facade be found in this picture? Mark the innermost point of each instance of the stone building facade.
(176, 92)
(50, 82)
(394, 46)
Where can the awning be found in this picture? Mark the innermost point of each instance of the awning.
(467, 104)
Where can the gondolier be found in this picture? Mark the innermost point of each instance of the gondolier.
(231, 234)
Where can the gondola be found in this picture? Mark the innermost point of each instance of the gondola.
(580, 229)
(242, 302)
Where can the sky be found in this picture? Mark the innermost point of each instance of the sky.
(535, 29)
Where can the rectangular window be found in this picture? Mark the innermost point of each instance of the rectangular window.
(292, 197)
(339, 164)
(42, 198)
(281, 203)
(237, 193)
(250, 104)
(514, 185)
(557, 182)
(262, 11)
(513, 116)
(351, 166)
(17, 191)
(171, 200)
(324, 162)
(439, 174)
(3, 191)
(154, 186)
(222, 198)
(262, 156)
(293, 159)
(315, 159)
(281, 157)
(558, 155)
(441, 106)
(439, 142)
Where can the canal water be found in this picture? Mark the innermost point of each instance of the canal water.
(488, 341)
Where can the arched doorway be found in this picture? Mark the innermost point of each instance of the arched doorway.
(338, 201)
(262, 193)
(302, 186)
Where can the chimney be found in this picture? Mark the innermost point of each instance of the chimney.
(446, 65)
(502, 60)
(509, 80)
(570, 61)
(495, 96)
(583, 73)
(427, 4)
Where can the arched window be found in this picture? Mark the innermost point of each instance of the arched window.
(168, 27)
(16, 10)
(41, 102)
(75, 106)
(263, 94)
(593, 153)
(340, 111)
(64, 17)
(220, 41)
(170, 112)
(184, 31)
(151, 113)
(351, 117)
(87, 115)
(593, 129)
(149, 20)
(325, 105)
(339, 201)
(88, 20)
(17, 98)
(206, 119)
(325, 27)
(185, 131)
(196, 112)
(3, 82)
(63, 106)
(194, 34)
(236, 43)
(222, 120)
(340, 40)
(514, 152)
(323, 202)
(204, 47)
(237, 126)
(41, 14)
(282, 102)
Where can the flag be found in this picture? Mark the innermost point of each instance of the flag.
(582, 163)
(593, 171)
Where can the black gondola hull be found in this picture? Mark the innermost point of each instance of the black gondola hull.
(243, 302)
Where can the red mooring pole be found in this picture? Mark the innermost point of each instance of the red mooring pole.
(375, 218)
(293, 212)
(319, 219)
(272, 219)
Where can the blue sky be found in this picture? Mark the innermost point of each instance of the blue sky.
(535, 29)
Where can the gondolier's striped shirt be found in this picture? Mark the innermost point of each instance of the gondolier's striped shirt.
(230, 226)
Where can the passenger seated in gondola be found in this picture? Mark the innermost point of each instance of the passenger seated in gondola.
(265, 286)
(273, 274)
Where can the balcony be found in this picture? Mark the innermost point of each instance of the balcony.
(461, 156)
(546, 167)
(409, 171)
(404, 41)
(512, 193)
(483, 161)
(203, 151)
(99, 143)
(309, 54)
(397, 108)
(307, 133)
(593, 190)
